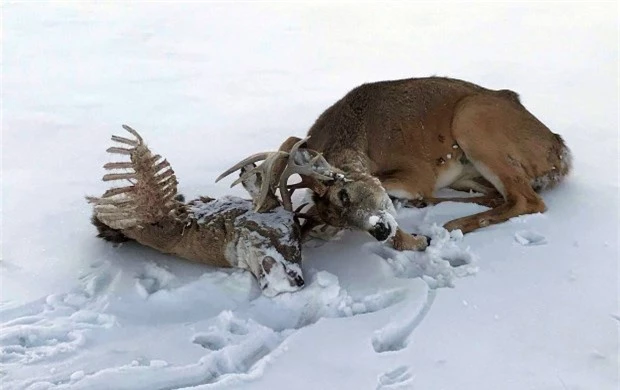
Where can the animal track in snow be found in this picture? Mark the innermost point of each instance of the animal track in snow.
(530, 238)
(322, 297)
(394, 336)
(439, 265)
(55, 325)
(154, 279)
(211, 341)
(237, 347)
(224, 333)
(237, 327)
(398, 378)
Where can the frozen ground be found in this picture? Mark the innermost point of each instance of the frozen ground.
(529, 304)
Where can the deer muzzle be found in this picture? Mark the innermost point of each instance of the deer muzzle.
(382, 226)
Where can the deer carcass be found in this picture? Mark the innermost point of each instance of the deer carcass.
(225, 232)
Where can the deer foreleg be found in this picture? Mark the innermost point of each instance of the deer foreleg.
(403, 241)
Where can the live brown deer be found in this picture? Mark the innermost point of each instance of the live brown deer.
(409, 138)
(225, 232)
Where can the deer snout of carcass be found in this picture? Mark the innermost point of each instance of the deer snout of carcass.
(278, 276)
(382, 226)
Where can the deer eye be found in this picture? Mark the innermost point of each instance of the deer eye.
(343, 195)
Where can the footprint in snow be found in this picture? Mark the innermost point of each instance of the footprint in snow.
(440, 265)
(59, 328)
(394, 336)
(210, 341)
(227, 331)
(57, 324)
(398, 378)
(153, 279)
(530, 238)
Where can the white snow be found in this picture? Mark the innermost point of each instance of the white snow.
(373, 220)
(528, 237)
(203, 212)
(207, 84)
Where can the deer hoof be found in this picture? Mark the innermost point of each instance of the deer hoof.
(428, 240)
(411, 242)
(423, 245)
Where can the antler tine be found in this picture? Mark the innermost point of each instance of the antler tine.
(297, 145)
(308, 163)
(264, 169)
(310, 168)
(300, 207)
(248, 160)
(266, 172)
(287, 203)
(297, 214)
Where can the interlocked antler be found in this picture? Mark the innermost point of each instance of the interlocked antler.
(151, 195)
(309, 164)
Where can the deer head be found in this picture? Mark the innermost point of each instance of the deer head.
(269, 242)
(358, 203)
(355, 200)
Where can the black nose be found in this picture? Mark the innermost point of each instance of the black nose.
(295, 279)
(381, 231)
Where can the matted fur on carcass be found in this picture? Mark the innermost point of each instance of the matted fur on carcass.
(225, 232)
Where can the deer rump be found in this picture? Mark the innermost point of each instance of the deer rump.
(225, 232)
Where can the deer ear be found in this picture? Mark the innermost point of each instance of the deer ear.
(267, 263)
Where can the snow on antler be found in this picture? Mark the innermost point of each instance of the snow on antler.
(151, 193)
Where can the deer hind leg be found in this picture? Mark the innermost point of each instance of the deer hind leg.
(478, 184)
(518, 197)
(491, 197)
(488, 132)
(491, 200)
(515, 204)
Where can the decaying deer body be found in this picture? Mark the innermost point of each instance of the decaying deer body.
(224, 232)
(408, 138)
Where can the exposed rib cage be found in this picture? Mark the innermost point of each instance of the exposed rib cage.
(148, 199)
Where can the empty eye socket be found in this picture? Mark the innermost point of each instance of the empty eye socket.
(343, 195)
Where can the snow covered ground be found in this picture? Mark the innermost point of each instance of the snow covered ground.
(528, 304)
